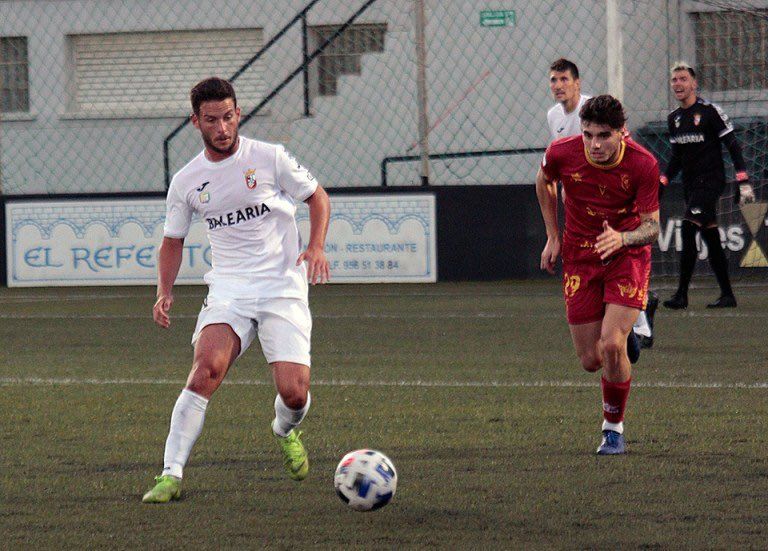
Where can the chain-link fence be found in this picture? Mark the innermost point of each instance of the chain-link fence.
(92, 91)
(94, 94)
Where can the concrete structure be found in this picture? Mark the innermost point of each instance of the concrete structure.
(486, 86)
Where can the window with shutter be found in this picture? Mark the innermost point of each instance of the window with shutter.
(151, 73)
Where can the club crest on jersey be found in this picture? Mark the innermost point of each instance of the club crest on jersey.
(205, 197)
(250, 178)
(625, 182)
(677, 121)
(696, 119)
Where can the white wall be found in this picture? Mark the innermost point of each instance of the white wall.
(500, 72)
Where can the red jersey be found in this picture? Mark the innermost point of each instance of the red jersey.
(618, 192)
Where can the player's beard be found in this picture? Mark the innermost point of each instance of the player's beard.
(222, 151)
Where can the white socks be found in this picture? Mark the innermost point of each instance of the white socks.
(615, 427)
(186, 425)
(286, 418)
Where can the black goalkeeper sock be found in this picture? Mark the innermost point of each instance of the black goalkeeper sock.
(717, 259)
(687, 257)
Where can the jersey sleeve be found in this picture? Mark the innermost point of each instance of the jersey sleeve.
(292, 177)
(550, 164)
(721, 122)
(178, 213)
(647, 199)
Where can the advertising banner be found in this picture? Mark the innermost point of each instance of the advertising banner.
(114, 242)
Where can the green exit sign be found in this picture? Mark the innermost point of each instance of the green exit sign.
(497, 18)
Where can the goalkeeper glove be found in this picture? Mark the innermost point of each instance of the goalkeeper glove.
(746, 193)
(663, 183)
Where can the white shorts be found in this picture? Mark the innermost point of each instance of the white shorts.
(284, 325)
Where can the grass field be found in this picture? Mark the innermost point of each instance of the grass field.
(472, 389)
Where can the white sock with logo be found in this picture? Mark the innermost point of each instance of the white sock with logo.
(286, 418)
(615, 427)
(186, 425)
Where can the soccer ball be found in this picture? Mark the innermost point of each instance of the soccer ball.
(365, 480)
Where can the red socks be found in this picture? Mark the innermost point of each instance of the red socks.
(615, 399)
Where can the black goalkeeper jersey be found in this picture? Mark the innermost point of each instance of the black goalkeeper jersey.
(696, 134)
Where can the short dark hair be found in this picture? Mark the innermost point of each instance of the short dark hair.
(211, 89)
(604, 109)
(562, 65)
(682, 66)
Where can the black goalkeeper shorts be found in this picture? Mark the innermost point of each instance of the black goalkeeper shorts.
(701, 200)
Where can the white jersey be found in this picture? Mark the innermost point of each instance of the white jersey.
(562, 124)
(248, 203)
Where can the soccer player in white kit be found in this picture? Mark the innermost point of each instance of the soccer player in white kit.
(564, 83)
(563, 121)
(245, 191)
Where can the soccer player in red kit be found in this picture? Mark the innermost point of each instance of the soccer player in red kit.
(611, 219)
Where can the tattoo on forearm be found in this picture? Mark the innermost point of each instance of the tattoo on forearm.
(646, 233)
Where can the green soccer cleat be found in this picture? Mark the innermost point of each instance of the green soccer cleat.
(168, 488)
(294, 455)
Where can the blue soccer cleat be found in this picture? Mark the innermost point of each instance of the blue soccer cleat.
(613, 443)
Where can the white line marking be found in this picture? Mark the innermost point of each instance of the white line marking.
(478, 315)
(69, 381)
(373, 315)
(510, 289)
(149, 296)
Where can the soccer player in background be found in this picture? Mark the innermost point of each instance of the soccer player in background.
(563, 121)
(611, 218)
(246, 191)
(696, 131)
(565, 85)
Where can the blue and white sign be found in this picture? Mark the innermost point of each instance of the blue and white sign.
(379, 238)
(114, 242)
(107, 242)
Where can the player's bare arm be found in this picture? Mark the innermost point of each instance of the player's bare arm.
(646, 233)
(168, 264)
(318, 270)
(610, 241)
(546, 192)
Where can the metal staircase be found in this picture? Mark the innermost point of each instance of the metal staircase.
(301, 69)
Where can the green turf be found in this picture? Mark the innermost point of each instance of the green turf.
(507, 466)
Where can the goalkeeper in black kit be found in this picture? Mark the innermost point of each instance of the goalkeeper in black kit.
(696, 131)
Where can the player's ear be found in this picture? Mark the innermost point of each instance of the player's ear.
(195, 120)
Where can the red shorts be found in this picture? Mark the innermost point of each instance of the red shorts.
(589, 283)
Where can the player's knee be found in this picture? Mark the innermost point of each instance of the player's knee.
(613, 347)
(294, 392)
(590, 362)
(295, 397)
(207, 374)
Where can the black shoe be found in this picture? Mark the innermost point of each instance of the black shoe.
(650, 312)
(633, 347)
(677, 302)
(645, 342)
(725, 301)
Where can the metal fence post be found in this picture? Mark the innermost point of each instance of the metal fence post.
(421, 83)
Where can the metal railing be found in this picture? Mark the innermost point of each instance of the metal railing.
(453, 155)
(303, 68)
